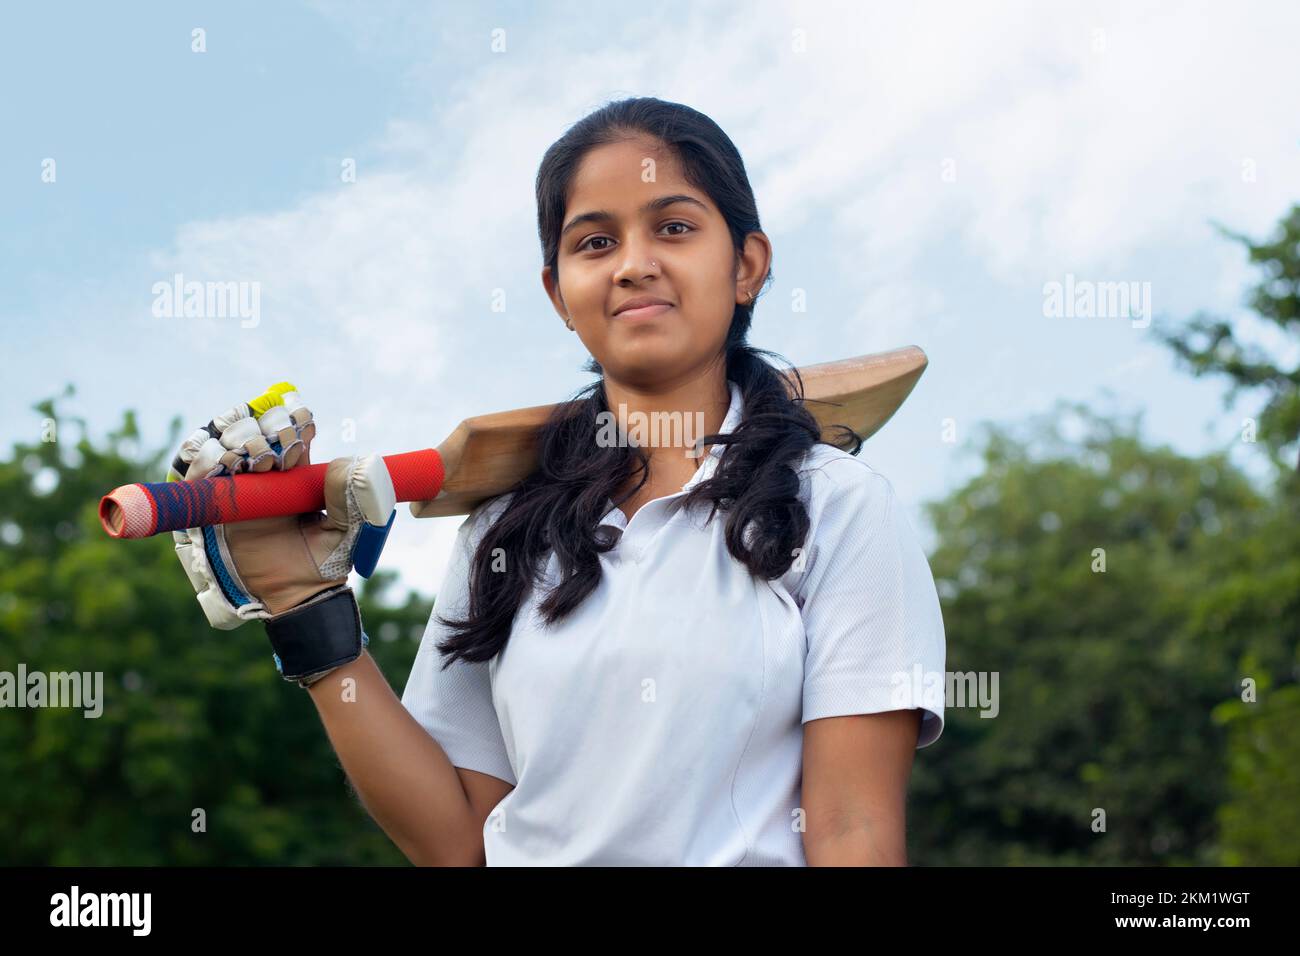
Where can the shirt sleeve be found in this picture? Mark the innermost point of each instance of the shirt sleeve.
(870, 608)
(455, 705)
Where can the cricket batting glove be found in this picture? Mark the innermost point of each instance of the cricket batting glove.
(290, 572)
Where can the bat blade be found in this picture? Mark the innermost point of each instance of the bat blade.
(487, 455)
(862, 392)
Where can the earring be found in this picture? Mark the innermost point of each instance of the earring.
(568, 324)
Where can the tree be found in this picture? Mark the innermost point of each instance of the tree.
(1209, 345)
(196, 722)
(1120, 689)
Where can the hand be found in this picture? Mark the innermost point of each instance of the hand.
(264, 568)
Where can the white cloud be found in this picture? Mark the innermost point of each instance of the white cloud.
(1067, 158)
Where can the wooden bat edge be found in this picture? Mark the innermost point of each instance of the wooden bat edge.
(896, 373)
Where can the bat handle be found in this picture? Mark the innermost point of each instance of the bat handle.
(148, 508)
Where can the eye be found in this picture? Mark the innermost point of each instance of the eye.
(686, 227)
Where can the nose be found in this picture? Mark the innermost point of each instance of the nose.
(635, 264)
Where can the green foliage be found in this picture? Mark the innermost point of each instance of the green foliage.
(1128, 690)
(193, 718)
(1209, 345)
(1262, 819)
(1113, 683)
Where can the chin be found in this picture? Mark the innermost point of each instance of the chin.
(642, 365)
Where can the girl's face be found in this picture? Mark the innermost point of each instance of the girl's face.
(626, 238)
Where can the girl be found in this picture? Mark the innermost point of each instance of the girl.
(639, 657)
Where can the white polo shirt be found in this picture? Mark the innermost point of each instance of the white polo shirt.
(661, 723)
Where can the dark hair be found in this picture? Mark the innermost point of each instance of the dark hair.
(560, 505)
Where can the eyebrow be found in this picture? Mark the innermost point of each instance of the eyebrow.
(654, 205)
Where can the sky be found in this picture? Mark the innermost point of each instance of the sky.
(924, 172)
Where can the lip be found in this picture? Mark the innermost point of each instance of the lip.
(641, 304)
(644, 312)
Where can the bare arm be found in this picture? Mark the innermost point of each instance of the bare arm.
(855, 773)
(432, 811)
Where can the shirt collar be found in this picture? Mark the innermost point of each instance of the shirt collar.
(614, 516)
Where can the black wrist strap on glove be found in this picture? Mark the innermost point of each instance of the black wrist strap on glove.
(317, 636)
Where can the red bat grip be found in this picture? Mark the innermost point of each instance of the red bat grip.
(149, 508)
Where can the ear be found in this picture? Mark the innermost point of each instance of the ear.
(752, 266)
(553, 293)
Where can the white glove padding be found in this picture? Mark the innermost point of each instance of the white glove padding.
(257, 569)
(274, 430)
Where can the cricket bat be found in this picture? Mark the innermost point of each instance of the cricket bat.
(485, 456)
